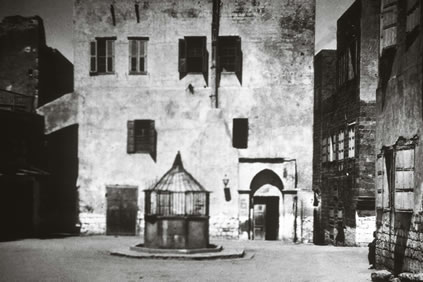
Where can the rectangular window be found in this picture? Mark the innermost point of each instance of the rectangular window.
(388, 24)
(332, 148)
(240, 133)
(351, 142)
(413, 20)
(142, 137)
(102, 55)
(324, 150)
(404, 178)
(341, 145)
(230, 55)
(193, 56)
(138, 55)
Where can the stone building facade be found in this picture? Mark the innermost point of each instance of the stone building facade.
(344, 129)
(226, 83)
(399, 163)
(31, 73)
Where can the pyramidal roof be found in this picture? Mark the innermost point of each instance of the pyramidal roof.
(177, 179)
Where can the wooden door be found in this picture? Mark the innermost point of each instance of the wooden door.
(259, 221)
(122, 208)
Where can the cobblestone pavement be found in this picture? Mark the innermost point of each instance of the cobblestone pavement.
(88, 259)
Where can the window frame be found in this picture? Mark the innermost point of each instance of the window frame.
(138, 41)
(109, 55)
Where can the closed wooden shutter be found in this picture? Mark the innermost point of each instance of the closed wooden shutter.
(379, 181)
(131, 138)
(404, 178)
(110, 53)
(152, 136)
(182, 65)
(238, 59)
(93, 56)
(240, 133)
(389, 22)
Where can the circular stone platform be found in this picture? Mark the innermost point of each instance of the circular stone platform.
(213, 252)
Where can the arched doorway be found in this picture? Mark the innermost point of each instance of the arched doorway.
(265, 194)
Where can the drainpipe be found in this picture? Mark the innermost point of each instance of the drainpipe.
(214, 84)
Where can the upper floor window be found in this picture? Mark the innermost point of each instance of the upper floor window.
(351, 142)
(138, 55)
(230, 55)
(413, 20)
(102, 52)
(240, 133)
(142, 137)
(341, 145)
(388, 24)
(348, 62)
(193, 56)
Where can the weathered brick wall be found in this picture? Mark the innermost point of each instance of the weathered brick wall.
(277, 39)
(400, 111)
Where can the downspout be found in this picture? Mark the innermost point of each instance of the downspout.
(214, 97)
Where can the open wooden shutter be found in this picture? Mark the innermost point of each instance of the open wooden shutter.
(182, 66)
(205, 64)
(379, 181)
(93, 56)
(110, 53)
(404, 178)
(152, 142)
(131, 138)
(238, 59)
(389, 23)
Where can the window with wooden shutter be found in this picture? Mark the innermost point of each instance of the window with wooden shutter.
(142, 137)
(102, 55)
(193, 56)
(413, 20)
(230, 55)
(240, 133)
(138, 55)
(389, 23)
(379, 181)
(404, 177)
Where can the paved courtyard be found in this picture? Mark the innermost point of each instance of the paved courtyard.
(88, 259)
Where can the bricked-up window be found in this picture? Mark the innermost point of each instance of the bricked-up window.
(404, 177)
(193, 56)
(240, 133)
(413, 20)
(102, 52)
(351, 142)
(142, 137)
(230, 55)
(388, 24)
(138, 55)
(341, 145)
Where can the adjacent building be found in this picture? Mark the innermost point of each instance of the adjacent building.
(226, 83)
(37, 171)
(399, 166)
(344, 129)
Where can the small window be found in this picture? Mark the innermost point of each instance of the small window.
(230, 55)
(102, 52)
(193, 56)
(324, 150)
(142, 137)
(351, 142)
(240, 133)
(138, 55)
(341, 145)
(388, 24)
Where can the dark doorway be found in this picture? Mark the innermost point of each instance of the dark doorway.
(122, 208)
(266, 218)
